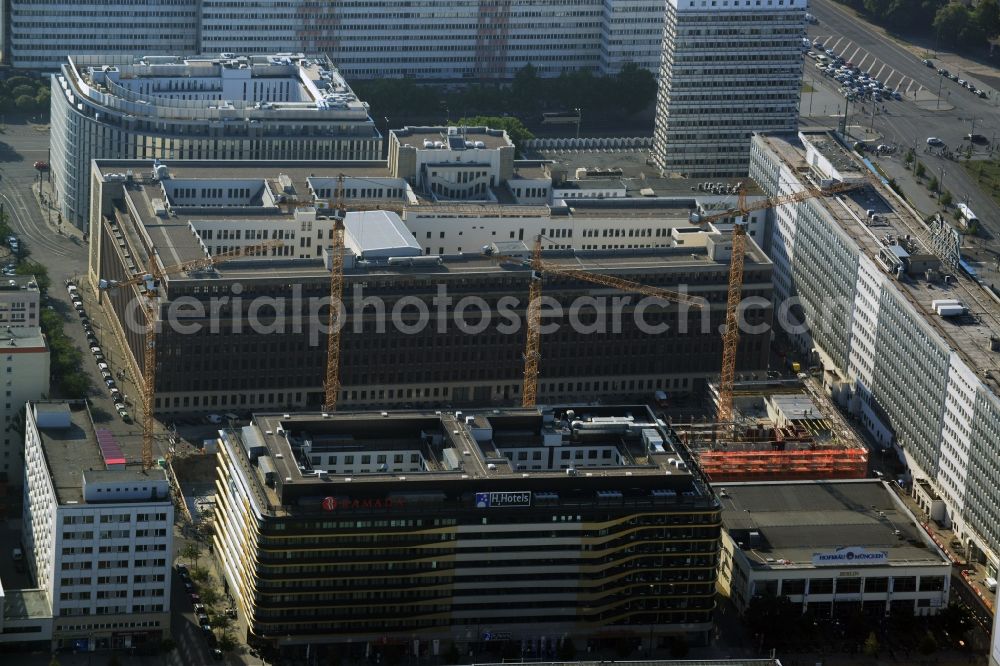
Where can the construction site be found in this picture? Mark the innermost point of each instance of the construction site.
(781, 430)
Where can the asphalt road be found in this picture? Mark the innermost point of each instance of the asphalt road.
(64, 256)
(908, 124)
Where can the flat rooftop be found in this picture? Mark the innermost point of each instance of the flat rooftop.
(176, 244)
(416, 136)
(72, 452)
(26, 604)
(637, 173)
(18, 283)
(896, 227)
(423, 450)
(216, 87)
(24, 339)
(795, 520)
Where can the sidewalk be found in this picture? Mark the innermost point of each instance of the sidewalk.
(44, 195)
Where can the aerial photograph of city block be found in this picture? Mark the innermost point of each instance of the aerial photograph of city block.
(485, 332)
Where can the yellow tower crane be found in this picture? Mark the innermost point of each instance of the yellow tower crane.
(731, 336)
(532, 346)
(148, 285)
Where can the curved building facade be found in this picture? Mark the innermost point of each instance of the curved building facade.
(276, 107)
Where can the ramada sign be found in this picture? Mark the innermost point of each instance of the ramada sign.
(336, 504)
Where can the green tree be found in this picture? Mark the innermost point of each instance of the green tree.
(945, 198)
(220, 621)
(191, 552)
(38, 270)
(951, 22)
(908, 156)
(956, 620)
(921, 170)
(16, 82)
(199, 574)
(871, 645)
(516, 130)
(23, 90)
(526, 90)
(209, 596)
(932, 184)
(43, 98)
(928, 645)
(636, 88)
(987, 16)
(54, 661)
(227, 643)
(25, 102)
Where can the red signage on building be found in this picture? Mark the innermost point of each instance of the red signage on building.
(334, 504)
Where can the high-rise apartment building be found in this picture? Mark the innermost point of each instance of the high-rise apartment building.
(97, 532)
(908, 341)
(730, 68)
(285, 107)
(442, 39)
(428, 529)
(40, 34)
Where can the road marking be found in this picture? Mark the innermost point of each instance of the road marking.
(880, 70)
(854, 55)
(861, 64)
(909, 86)
(839, 40)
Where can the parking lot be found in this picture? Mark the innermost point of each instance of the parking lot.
(866, 63)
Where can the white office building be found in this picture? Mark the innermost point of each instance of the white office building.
(835, 548)
(40, 34)
(283, 107)
(19, 302)
(25, 377)
(97, 532)
(909, 342)
(730, 68)
(441, 39)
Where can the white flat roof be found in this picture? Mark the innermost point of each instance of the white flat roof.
(379, 234)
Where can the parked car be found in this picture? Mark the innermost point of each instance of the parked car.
(195, 598)
(96, 350)
(110, 383)
(181, 569)
(189, 587)
(103, 366)
(199, 608)
(206, 627)
(928, 63)
(125, 416)
(217, 654)
(982, 94)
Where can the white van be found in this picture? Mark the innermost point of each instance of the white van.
(991, 584)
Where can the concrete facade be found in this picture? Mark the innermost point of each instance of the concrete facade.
(722, 80)
(865, 283)
(285, 107)
(97, 532)
(443, 39)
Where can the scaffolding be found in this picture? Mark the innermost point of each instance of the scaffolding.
(799, 464)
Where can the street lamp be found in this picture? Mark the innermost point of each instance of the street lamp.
(579, 117)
